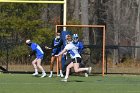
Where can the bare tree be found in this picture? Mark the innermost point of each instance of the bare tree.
(137, 53)
(76, 9)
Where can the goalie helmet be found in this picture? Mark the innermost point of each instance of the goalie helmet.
(75, 38)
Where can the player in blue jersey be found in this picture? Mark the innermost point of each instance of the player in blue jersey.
(78, 43)
(36, 49)
(75, 58)
(56, 49)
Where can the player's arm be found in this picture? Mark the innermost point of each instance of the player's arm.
(62, 52)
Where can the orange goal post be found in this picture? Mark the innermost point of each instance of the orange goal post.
(90, 26)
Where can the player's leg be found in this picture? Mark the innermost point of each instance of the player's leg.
(40, 67)
(60, 66)
(68, 61)
(51, 66)
(68, 71)
(35, 67)
(82, 65)
(77, 68)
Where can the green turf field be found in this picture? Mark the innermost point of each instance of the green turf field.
(26, 83)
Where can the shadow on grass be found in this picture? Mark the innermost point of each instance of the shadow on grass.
(75, 81)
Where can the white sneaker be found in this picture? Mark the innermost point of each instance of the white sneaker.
(58, 75)
(89, 70)
(64, 80)
(43, 75)
(50, 75)
(61, 75)
(86, 74)
(35, 74)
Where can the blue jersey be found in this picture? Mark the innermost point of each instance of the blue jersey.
(80, 46)
(56, 45)
(35, 47)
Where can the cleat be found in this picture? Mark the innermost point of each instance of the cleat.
(50, 75)
(35, 74)
(64, 80)
(61, 75)
(43, 75)
(86, 74)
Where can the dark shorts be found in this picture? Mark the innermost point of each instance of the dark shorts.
(76, 60)
(55, 52)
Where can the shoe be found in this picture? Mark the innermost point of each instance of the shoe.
(64, 80)
(35, 74)
(50, 75)
(61, 75)
(86, 74)
(89, 70)
(43, 75)
(58, 75)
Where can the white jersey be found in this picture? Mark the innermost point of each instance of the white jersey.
(72, 50)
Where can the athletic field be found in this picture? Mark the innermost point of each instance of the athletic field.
(26, 83)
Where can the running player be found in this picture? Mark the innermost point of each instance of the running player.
(80, 47)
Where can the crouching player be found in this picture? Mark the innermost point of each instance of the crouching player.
(39, 56)
(75, 58)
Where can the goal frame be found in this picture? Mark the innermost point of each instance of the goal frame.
(91, 26)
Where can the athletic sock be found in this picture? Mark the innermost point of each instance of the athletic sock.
(36, 71)
(43, 71)
(51, 72)
(61, 72)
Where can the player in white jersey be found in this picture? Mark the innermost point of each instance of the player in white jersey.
(75, 58)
